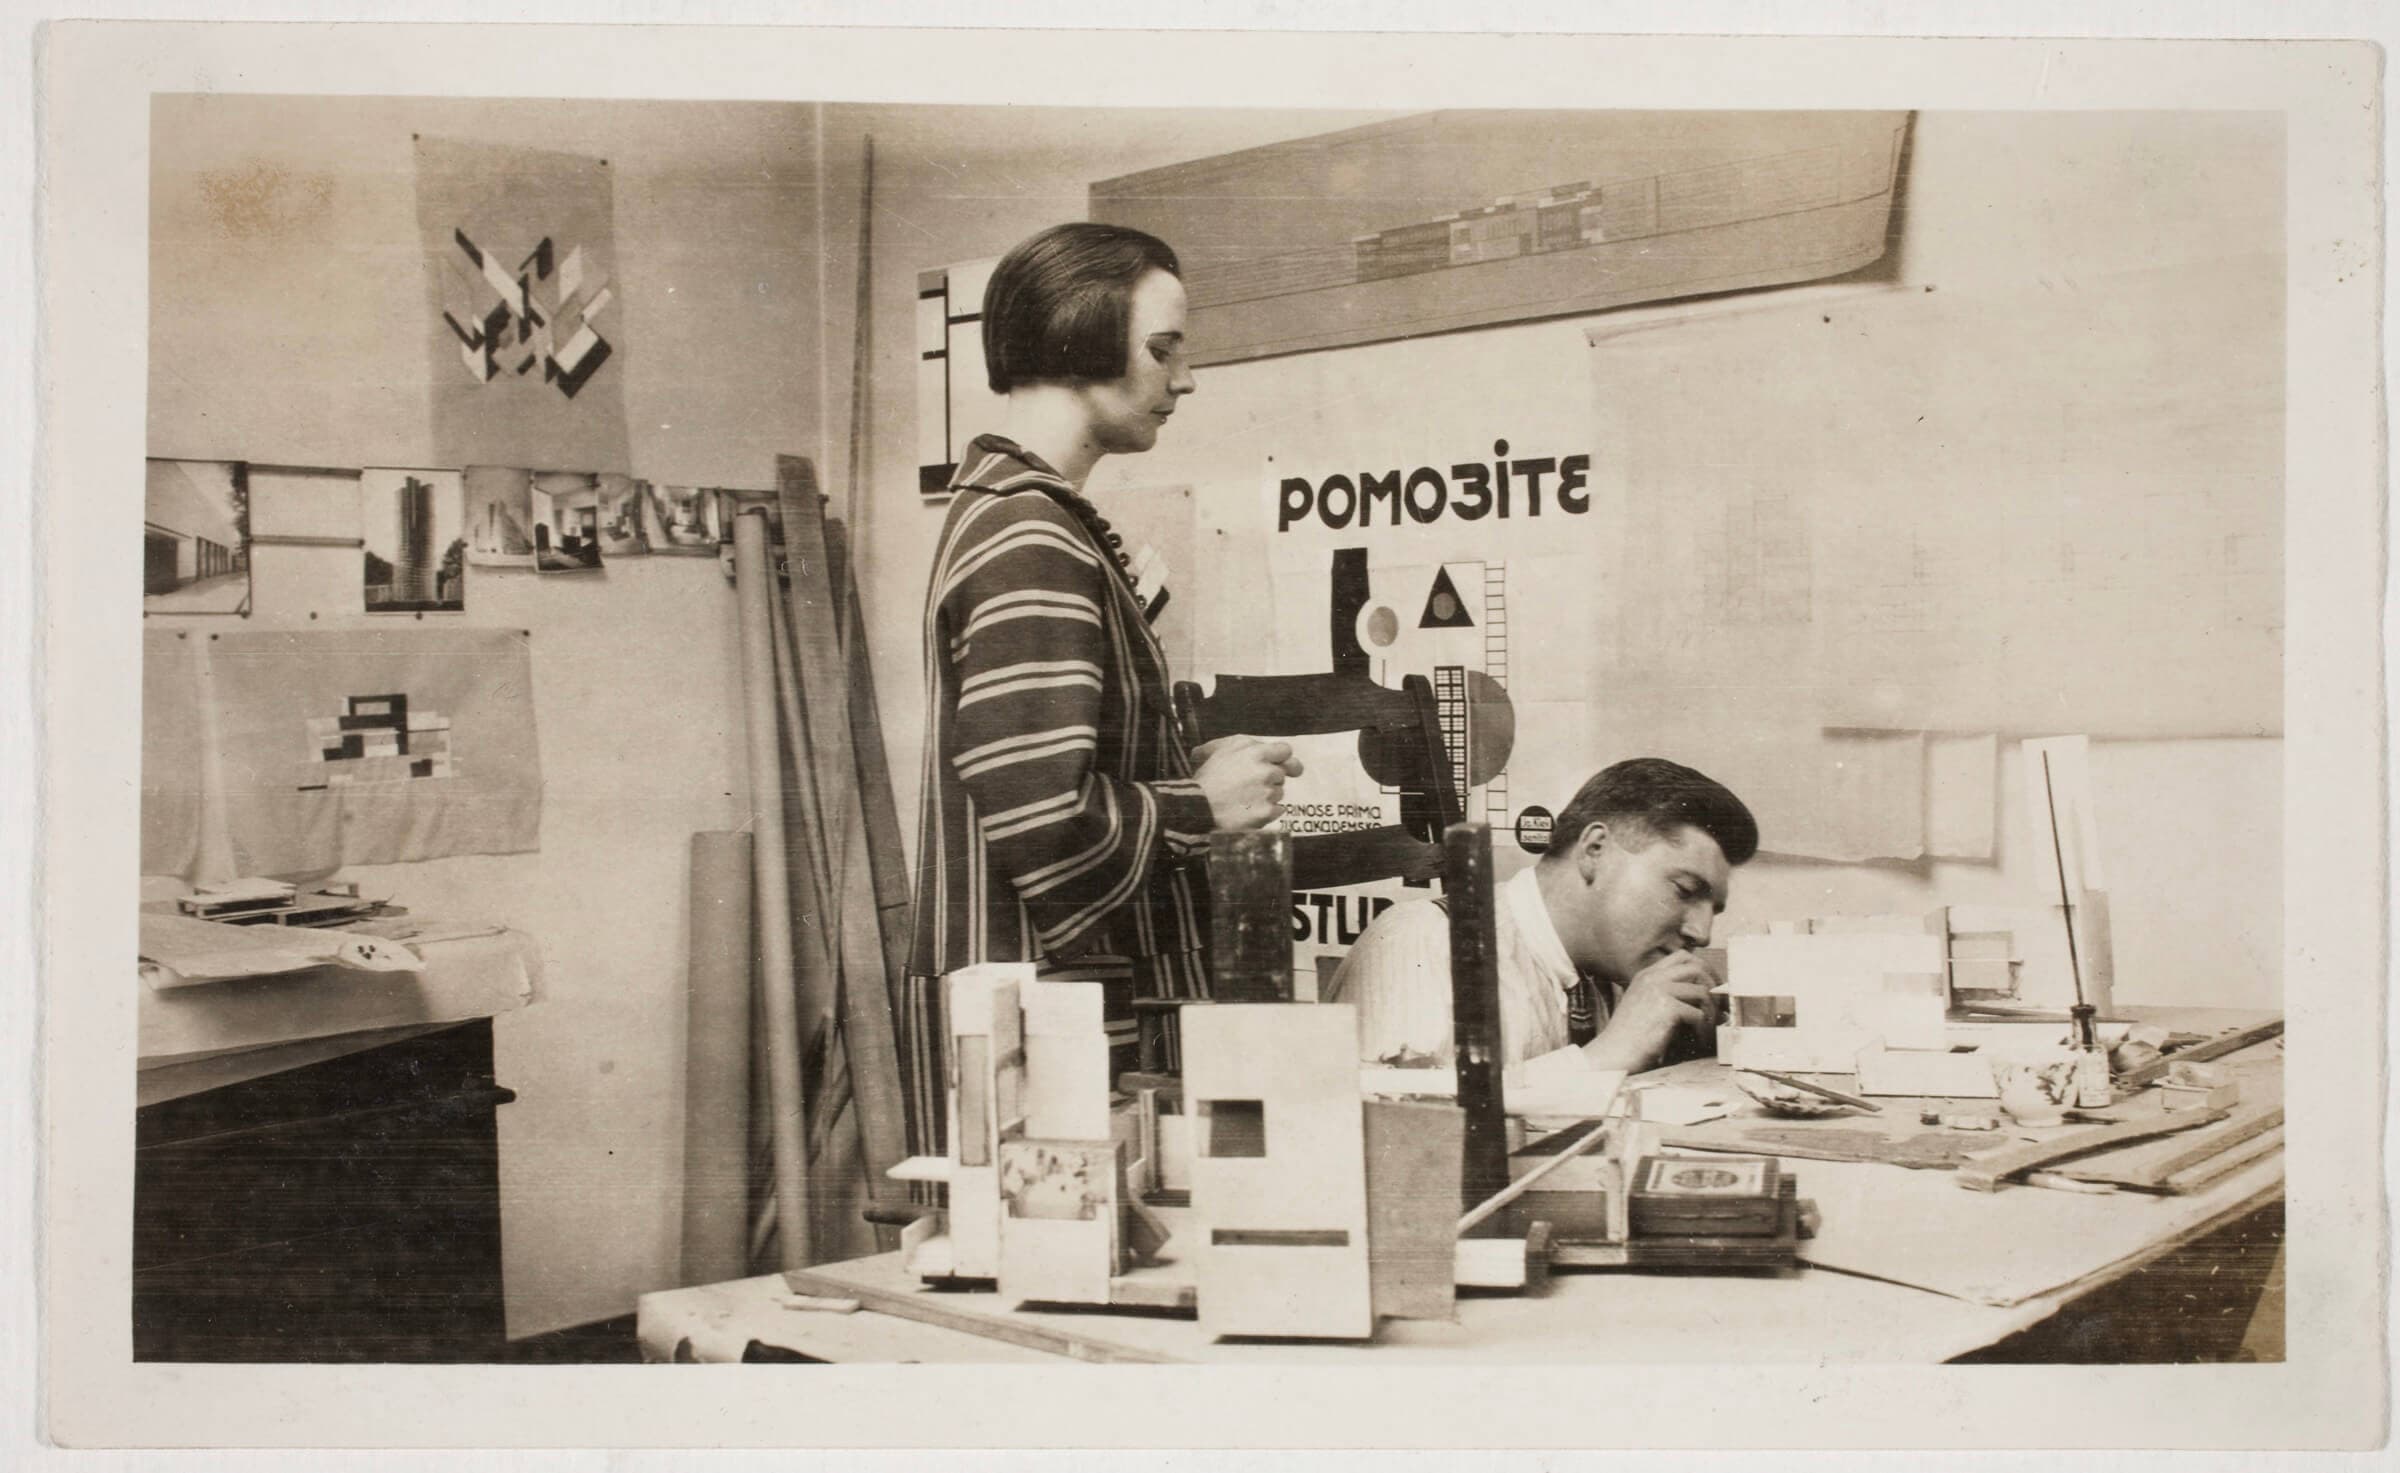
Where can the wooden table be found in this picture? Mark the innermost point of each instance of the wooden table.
(1907, 1268)
(316, 1162)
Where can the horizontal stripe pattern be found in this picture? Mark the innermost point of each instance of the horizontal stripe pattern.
(1059, 822)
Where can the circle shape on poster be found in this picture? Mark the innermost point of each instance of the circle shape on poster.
(1493, 719)
(1381, 626)
(1533, 830)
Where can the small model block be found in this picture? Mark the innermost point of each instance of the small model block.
(1827, 996)
(1279, 1194)
(986, 1074)
(1579, 1200)
(1413, 1156)
(1059, 1214)
(1983, 974)
(1066, 1061)
(2044, 975)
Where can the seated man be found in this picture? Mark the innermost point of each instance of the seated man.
(1596, 939)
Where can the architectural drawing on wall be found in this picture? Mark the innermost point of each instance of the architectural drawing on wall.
(378, 739)
(499, 516)
(955, 402)
(1459, 219)
(195, 537)
(1448, 622)
(412, 524)
(566, 522)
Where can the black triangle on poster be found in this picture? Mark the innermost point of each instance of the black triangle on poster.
(1444, 609)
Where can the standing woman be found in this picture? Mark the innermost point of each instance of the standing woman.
(1062, 819)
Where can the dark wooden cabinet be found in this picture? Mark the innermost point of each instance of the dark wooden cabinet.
(348, 1210)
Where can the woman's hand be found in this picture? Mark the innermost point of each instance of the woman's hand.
(1243, 777)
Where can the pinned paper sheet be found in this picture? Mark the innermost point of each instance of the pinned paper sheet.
(177, 951)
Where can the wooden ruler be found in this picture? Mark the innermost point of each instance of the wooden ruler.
(2157, 1174)
(930, 1309)
(1985, 1170)
(2200, 1053)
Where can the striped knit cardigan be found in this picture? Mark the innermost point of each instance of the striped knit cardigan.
(1059, 818)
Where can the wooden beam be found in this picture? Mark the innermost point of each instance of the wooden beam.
(2201, 1053)
(1475, 1008)
(840, 821)
(1985, 1170)
(929, 1309)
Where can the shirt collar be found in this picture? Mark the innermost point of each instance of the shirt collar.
(1537, 931)
(997, 463)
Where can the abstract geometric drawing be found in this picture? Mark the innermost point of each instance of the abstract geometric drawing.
(540, 315)
(1448, 622)
(378, 740)
(954, 399)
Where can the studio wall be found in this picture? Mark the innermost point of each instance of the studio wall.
(1989, 202)
(288, 302)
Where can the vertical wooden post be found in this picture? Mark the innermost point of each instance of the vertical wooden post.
(838, 813)
(1250, 916)
(1475, 1008)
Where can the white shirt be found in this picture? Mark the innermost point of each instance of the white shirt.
(1398, 977)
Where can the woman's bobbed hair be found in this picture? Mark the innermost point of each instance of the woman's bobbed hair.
(1056, 306)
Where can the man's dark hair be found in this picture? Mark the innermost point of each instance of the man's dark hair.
(1661, 796)
(1056, 305)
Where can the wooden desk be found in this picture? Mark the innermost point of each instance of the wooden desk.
(348, 1210)
(316, 1162)
(2029, 1274)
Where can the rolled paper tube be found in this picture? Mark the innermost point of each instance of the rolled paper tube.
(754, 578)
(1475, 1008)
(716, 1086)
(1250, 916)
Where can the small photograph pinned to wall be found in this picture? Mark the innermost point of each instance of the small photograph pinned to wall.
(682, 519)
(196, 537)
(566, 522)
(414, 527)
(499, 517)
(621, 533)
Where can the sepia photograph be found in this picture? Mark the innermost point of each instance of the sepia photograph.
(682, 519)
(621, 533)
(195, 538)
(414, 526)
(566, 522)
(1363, 737)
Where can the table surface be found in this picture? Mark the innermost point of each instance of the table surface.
(1908, 1267)
(218, 1033)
